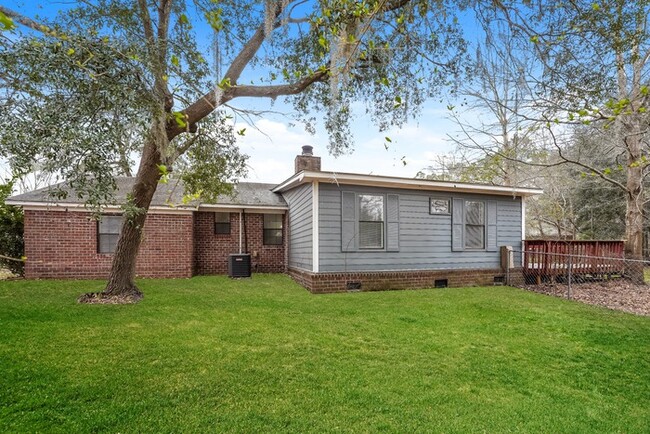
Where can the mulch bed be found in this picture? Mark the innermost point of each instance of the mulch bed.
(101, 298)
(617, 294)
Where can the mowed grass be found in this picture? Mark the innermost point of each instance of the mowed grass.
(212, 354)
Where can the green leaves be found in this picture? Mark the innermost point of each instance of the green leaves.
(225, 84)
(180, 119)
(6, 23)
(164, 174)
(215, 19)
(323, 42)
(11, 231)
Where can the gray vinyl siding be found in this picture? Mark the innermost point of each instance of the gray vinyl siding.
(300, 232)
(424, 239)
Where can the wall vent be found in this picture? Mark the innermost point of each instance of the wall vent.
(440, 283)
(353, 286)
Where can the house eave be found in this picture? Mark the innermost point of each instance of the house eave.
(262, 209)
(79, 207)
(402, 183)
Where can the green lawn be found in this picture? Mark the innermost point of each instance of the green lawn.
(261, 355)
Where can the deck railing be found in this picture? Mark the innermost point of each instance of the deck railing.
(550, 258)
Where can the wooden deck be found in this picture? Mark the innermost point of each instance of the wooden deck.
(544, 258)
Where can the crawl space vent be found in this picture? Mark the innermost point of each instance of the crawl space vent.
(353, 286)
(440, 283)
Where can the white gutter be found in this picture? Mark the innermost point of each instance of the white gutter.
(403, 183)
(79, 207)
(262, 209)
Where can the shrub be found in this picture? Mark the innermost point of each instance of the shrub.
(11, 232)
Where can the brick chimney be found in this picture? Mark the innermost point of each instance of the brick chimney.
(307, 161)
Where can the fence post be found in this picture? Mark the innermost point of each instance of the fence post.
(569, 278)
(506, 261)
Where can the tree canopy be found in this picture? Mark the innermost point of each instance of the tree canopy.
(111, 80)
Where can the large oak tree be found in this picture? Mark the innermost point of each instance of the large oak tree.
(140, 73)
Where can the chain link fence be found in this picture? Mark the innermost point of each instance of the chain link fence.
(561, 273)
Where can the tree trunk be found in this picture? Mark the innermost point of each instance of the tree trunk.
(634, 209)
(121, 281)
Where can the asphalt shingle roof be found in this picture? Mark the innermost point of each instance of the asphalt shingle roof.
(244, 193)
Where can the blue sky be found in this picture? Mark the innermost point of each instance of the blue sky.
(274, 141)
(273, 148)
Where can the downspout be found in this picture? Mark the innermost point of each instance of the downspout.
(245, 233)
(240, 229)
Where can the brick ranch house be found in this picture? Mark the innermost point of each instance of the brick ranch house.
(329, 231)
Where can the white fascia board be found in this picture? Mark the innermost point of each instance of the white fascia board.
(78, 207)
(296, 179)
(403, 183)
(260, 209)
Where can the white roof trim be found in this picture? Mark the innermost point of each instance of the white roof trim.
(82, 208)
(404, 183)
(59, 206)
(263, 209)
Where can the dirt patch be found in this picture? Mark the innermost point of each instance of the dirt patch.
(618, 294)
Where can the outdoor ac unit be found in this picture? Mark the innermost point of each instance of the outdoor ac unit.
(239, 265)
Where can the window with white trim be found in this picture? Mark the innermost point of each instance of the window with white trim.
(222, 223)
(108, 231)
(474, 224)
(273, 229)
(371, 221)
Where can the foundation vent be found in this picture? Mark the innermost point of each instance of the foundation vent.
(440, 283)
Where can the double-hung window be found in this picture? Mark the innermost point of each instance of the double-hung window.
(108, 231)
(474, 225)
(222, 223)
(371, 221)
(273, 229)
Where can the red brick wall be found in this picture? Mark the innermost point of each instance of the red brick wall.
(385, 280)
(211, 250)
(63, 244)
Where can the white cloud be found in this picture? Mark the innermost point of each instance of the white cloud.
(273, 148)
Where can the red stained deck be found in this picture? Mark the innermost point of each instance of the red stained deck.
(552, 258)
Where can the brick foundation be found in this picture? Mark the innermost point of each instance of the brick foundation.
(319, 283)
(211, 250)
(63, 245)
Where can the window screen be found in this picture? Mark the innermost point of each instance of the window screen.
(371, 221)
(222, 223)
(474, 225)
(272, 229)
(108, 231)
